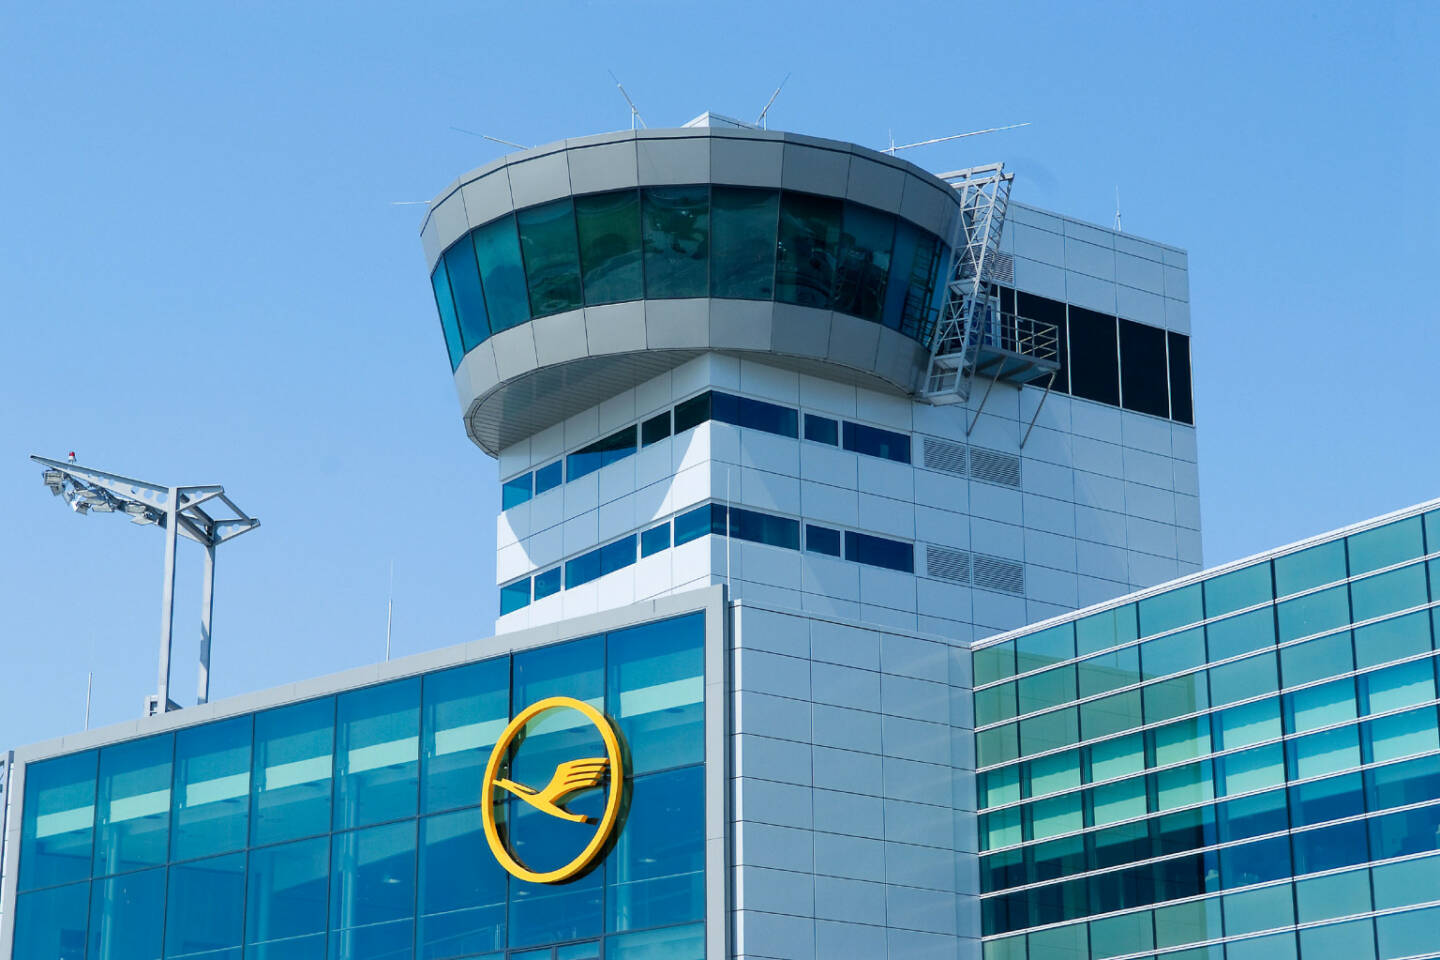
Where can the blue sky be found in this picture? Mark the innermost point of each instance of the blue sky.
(204, 278)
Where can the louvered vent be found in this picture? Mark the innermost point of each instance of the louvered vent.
(1003, 576)
(945, 456)
(1002, 268)
(947, 563)
(995, 467)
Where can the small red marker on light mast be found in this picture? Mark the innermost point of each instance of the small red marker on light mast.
(72, 456)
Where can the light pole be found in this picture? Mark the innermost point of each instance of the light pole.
(200, 513)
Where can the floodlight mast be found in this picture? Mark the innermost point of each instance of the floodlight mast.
(179, 512)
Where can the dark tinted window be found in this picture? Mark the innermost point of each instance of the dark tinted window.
(864, 264)
(449, 323)
(808, 246)
(755, 414)
(655, 539)
(877, 443)
(617, 555)
(742, 234)
(763, 528)
(513, 596)
(1143, 369)
(515, 492)
(655, 429)
(1181, 406)
(822, 429)
(692, 412)
(1094, 362)
(552, 260)
(469, 299)
(822, 540)
(608, 225)
(677, 241)
(879, 552)
(497, 248)
(582, 569)
(696, 523)
(547, 477)
(1050, 311)
(601, 453)
(547, 583)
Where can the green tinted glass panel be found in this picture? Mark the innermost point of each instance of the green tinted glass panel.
(469, 298)
(1174, 608)
(1109, 671)
(677, 241)
(552, 260)
(1316, 659)
(608, 225)
(1114, 802)
(1178, 652)
(1184, 786)
(1108, 629)
(1119, 757)
(1310, 568)
(1405, 883)
(1050, 688)
(1057, 815)
(994, 704)
(291, 780)
(1392, 639)
(1400, 686)
(1237, 590)
(1035, 651)
(1385, 546)
(1323, 753)
(1402, 735)
(377, 753)
(1118, 936)
(1174, 698)
(449, 323)
(1237, 635)
(1246, 724)
(497, 248)
(1107, 715)
(1259, 910)
(1387, 592)
(809, 243)
(1320, 706)
(212, 789)
(132, 805)
(742, 242)
(1193, 922)
(1048, 731)
(864, 265)
(999, 786)
(1313, 613)
(1059, 771)
(1249, 770)
(1410, 934)
(1244, 679)
(1177, 742)
(464, 711)
(1338, 895)
(994, 663)
(997, 745)
(1000, 829)
(59, 823)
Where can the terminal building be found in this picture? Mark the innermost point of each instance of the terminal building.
(795, 441)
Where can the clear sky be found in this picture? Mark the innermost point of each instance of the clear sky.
(203, 277)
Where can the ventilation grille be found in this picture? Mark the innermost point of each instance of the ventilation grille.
(1003, 576)
(947, 563)
(1002, 469)
(1002, 268)
(944, 456)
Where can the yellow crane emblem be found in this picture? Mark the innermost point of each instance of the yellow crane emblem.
(570, 777)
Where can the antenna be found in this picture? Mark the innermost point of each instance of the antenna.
(89, 682)
(409, 203)
(957, 136)
(634, 111)
(389, 610)
(761, 119)
(1118, 228)
(486, 136)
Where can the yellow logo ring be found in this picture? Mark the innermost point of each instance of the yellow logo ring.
(616, 778)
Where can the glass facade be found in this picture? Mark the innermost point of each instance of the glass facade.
(1247, 766)
(682, 242)
(350, 826)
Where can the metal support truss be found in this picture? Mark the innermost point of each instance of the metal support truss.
(201, 513)
(967, 310)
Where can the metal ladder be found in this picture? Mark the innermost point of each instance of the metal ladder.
(968, 309)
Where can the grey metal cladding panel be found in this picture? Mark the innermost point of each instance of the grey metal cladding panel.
(615, 327)
(514, 351)
(740, 324)
(814, 170)
(595, 139)
(926, 206)
(477, 374)
(560, 337)
(430, 243)
(801, 331)
(875, 184)
(673, 161)
(853, 341)
(898, 358)
(747, 163)
(677, 324)
(606, 166)
(487, 197)
(449, 220)
(542, 178)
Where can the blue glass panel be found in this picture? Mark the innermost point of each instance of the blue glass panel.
(655, 429)
(517, 491)
(469, 298)
(879, 552)
(1310, 568)
(212, 789)
(994, 662)
(742, 238)
(1255, 862)
(1120, 845)
(1322, 753)
(822, 540)
(1251, 816)
(515, 596)
(1330, 848)
(546, 913)
(285, 900)
(655, 539)
(127, 916)
(547, 583)
(1035, 651)
(1247, 724)
(692, 412)
(1396, 687)
(575, 669)
(656, 691)
(1189, 923)
(1401, 834)
(1175, 697)
(656, 872)
(1244, 679)
(902, 285)
(762, 528)
(672, 943)
(1249, 770)
(1338, 895)
(809, 243)
(548, 477)
(1277, 946)
(1049, 731)
(1110, 628)
(926, 290)
(1388, 592)
(1392, 639)
(617, 555)
(677, 241)
(1409, 934)
(874, 442)
(461, 903)
(291, 781)
(703, 520)
(1174, 608)
(755, 414)
(465, 710)
(59, 823)
(1401, 784)
(1316, 659)
(205, 913)
(582, 569)
(1238, 589)
(864, 262)
(1339, 941)
(133, 805)
(1406, 882)
(1325, 800)
(1320, 706)
(552, 258)
(377, 753)
(1385, 546)
(1400, 735)
(601, 453)
(1256, 910)
(1313, 613)
(822, 429)
(1236, 635)
(497, 248)
(372, 893)
(449, 323)
(1173, 654)
(609, 228)
(50, 924)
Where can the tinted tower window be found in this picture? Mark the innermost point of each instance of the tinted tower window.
(1143, 369)
(1094, 362)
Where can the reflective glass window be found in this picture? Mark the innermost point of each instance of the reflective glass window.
(127, 916)
(1256, 862)
(547, 584)
(904, 284)
(1048, 731)
(1058, 858)
(925, 290)
(742, 238)
(1385, 593)
(1046, 689)
(1175, 698)
(997, 745)
(1184, 786)
(1254, 769)
(656, 691)
(1110, 628)
(1059, 771)
(1238, 589)
(517, 491)
(1099, 718)
(133, 805)
(1143, 383)
(1338, 895)
(1322, 753)
(573, 669)
(822, 429)
(999, 786)
(1109, 671)
(1244, 679)
(1401, 735)
(864, 261)
(762, 528)
(1410, 934)
(285, 900)
(582, 569)
(465, 710)
(548, 477)
(608, 226)
(1173, 654)
(1392, 639)
(1035, 651)
(672, 943)
(1185, 740)
(212, 789)
(205, 910)
(879, 552)
(827, 541)
(514, 596)
(468, 296)
(1119, 757)
(291, 780)
(874, 442)
(1252, 816)
(59, 823)
(1400, 784)
(1178, 353)
(1121, 845)
(809, 244)
(1325, 800)
(1192, 922)
(1055, 816)
(1258, 910)
(1246, 724)
(449, 322)
(1310, 568)
(1403, 833)
(656, 873)
(603, 452)
(1174, 608)
(1094, 356)
(50, 924)
(655, 539)
(655, 429)
(1313, 613)
(1000, 829)
(703, 520)
(995, 662)
(552, 260)
(1339, 941)
(546, 913)
(1061, 942)
(677, 241)
(1329, 848)
(1385, 546)
(372, 892)
(1316, 659)
(461, 888)
(377, 747)
(1249, 631)
(1321, 706)
(755, 414)
(1394, 688)
(617, 555)
(497, 248)
(1405, 883)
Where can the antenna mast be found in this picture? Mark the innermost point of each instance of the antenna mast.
(634, 110)
(957, 136)
(761, 119)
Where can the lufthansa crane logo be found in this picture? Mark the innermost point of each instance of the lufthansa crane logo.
(570, 778)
